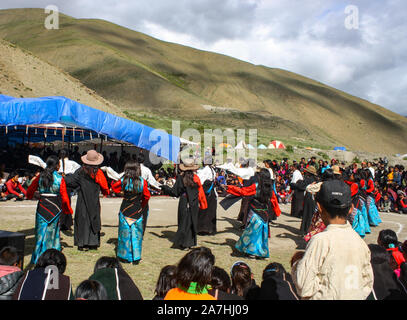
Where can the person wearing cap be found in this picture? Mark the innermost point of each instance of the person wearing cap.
(336, 262)
(90, 180)
(189, 190)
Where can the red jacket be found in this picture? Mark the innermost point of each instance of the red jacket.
(12, 188)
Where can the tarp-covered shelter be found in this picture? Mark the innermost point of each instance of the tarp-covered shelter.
(49, 119)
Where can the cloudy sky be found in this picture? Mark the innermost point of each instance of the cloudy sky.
(360, 49)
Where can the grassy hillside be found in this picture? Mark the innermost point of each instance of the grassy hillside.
(155, 81)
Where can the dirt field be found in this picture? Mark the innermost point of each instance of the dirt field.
(162, 225)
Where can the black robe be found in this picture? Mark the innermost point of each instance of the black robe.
(207, 217)
(188, 210)
(309, 204)
(87, 221)
(297, 201)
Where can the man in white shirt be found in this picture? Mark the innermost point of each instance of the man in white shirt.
(336, 263)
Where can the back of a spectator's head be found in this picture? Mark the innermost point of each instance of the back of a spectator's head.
(378, 254)
(166, 280)
(90, 290)
(273, 269)
(9, 256)
(335, 197)
(52, 257)
(220, 280)
(107, 262)
(241, 277)
(196, 266)
(387, 239)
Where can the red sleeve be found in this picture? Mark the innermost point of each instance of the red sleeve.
(117, 186)
(203, 204)
(362, 183)
(370, 186)
(10, 188)
(146, 194)
(66, 206)
(22, 189)
(102, 182)
(243, 191)
(274, 204)
(404, 205)
(32, 188)
(378, 197)
(354, 188)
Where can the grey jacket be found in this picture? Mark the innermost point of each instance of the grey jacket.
(9, 284)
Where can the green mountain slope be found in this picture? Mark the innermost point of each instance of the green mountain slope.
(146, 76)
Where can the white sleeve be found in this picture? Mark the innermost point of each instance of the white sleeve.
(37, 161)
(112, 174)
(147, 175)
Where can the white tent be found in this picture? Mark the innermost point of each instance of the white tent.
(249, 146)
(262, 146)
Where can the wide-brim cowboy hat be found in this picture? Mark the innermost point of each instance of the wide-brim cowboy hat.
(189, 165)
(93, 158)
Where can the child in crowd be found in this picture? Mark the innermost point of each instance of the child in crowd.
(90, 290)
(193, 276)
(385, 204)
(166, 281)
(389, 241)
(243, 283)
(10, 272)
(336, 263)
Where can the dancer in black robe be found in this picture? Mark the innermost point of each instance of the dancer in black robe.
(297, 201)
(90, 180)
(207, 217)
(188, 189)
(309, 208)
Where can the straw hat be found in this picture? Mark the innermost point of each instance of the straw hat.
(312, 170)
(336, 169)
(188, 164)
(93, 158)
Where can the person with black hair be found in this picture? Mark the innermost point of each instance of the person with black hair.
(388, 240)
(14, 189)
(309, 206)
(118, 284)
(90, 290)
(136, 196)
(243, 283)
(89, 180)
(297, 193)
(277, 284)
(207, 217)
(47, 280)
(10, 272)
(262, 206)
(386, 286)
(372, 212)
(193, 276)
(221, 285)
(358, 217)
(336, 263)
(54, 202)
(189, 190)
(166, 281)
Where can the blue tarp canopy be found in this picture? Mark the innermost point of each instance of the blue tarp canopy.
(340, 149)
(56, 118)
